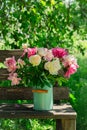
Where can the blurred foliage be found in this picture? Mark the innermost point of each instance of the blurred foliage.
(26, 124)
(46, 23)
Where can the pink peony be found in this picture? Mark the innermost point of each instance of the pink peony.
(14, 79)
(49, 56)
(71, 70)
(29, 51)
(69, 60)
(10, 63)
(59, 52)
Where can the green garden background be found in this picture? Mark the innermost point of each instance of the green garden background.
(48, 23)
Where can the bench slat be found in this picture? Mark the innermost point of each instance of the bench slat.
(63, 111)
(3, 74)
(15, 93)
(3, 71)
(9, 53)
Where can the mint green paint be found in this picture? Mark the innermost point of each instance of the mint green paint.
(44, 101)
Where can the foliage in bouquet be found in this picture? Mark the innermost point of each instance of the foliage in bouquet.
(40, 66)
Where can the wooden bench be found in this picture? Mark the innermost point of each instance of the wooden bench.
(64, 114)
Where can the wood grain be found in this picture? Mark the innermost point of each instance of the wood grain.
(9, 53)
(69, 124)
(15, 93)
(63, 111)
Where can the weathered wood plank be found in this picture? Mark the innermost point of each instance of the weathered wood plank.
(69, 124)
(3, 71)
(3, 77)
(58, 124)
(63, 111)
(15, 93)
(61, 93)
(9, 53)
(3, 74)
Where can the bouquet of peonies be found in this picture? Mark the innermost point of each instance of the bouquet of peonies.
(40, 66)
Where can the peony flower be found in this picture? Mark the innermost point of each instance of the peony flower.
(69, 60)
(31, 51)
(59, 52)
(10, 63)
(42, 51)
(53, 66)
(49, 56)
(35, 60)
(71, 70)
(14, 79)
(47, 65)
(21, 63)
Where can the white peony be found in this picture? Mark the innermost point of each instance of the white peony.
(42, 51)
(35, 60)
(53, 67)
